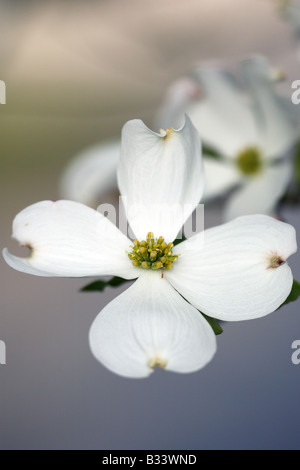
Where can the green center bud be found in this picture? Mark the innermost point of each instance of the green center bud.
(152, 253)
(249, 161)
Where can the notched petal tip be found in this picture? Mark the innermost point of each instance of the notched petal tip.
(23, 264)
(171, 131)
(157, 361)
(275, 261)
(167, 133)
(30, 248)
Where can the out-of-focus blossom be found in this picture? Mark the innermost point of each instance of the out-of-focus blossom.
(92, 174)
(252, 132)
(253, 135)
(238, 272)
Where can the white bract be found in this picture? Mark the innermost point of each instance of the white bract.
(238, 272)
(253, 133)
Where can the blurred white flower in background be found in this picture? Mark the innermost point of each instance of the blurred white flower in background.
(252, 134)
(92, 174)
(239, 272)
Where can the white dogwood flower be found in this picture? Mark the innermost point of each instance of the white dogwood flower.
(239, 272)
(253, 135)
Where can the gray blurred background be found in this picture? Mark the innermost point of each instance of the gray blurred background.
(75, 73)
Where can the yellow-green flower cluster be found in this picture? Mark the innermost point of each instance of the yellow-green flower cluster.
(152, 253)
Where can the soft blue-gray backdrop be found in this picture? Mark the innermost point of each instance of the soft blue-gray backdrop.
(75, 73)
